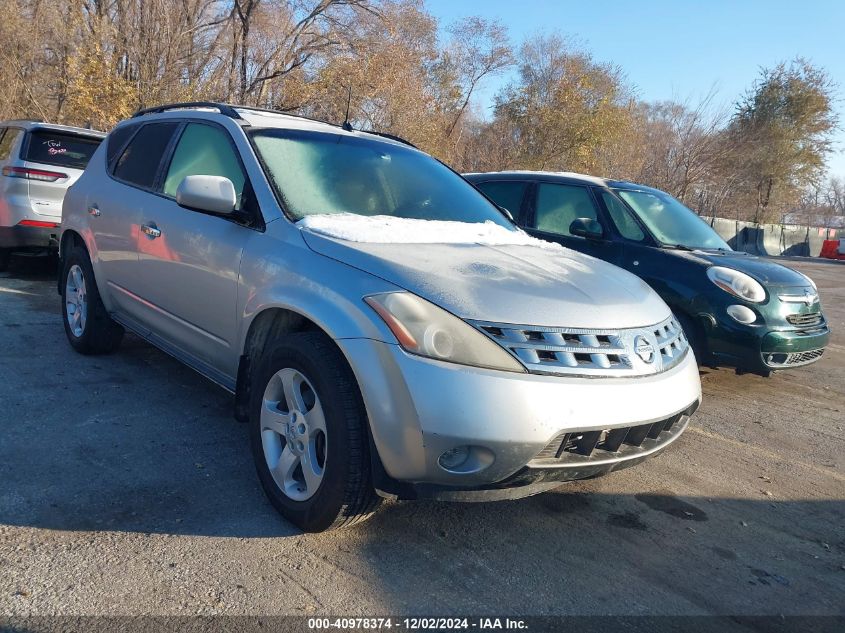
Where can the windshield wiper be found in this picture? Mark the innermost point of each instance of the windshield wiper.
(723, 251)
(680, 247)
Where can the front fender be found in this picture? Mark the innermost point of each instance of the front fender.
(285, 273)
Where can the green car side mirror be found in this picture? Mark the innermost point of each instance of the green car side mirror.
(586, 227)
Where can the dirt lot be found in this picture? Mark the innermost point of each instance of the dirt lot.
(127, 488)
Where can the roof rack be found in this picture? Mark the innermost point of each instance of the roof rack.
(224, 108)
(230, 111)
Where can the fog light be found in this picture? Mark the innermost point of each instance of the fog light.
(742, 314)
(454, 458)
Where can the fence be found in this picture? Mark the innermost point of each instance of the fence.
(773, 239)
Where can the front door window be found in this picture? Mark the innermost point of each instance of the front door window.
(558, 206)
(204, 150)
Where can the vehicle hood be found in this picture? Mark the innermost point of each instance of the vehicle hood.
(763, 270)
(520, 284)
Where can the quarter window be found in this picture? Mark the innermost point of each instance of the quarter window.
(559, 205)
(204, 150)
(7, 142)
(622, 218)
(117, 139)
(507, 194)
(138, 165)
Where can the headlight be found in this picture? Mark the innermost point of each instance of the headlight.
(737, 283)
(424, 329)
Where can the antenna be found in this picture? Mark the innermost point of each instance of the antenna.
(346, 124)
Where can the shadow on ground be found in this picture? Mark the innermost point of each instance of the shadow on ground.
(28, 267)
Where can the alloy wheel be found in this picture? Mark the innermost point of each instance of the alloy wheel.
(293, 434)
(76, 300)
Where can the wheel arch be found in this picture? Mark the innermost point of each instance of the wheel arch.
(269, 324)
(277, 321)
(303, 306)
(695, 325)
(70, 239)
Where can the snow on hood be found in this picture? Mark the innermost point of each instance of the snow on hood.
(525, 281)
(387, 229)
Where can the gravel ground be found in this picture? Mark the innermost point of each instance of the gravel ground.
(127, 488)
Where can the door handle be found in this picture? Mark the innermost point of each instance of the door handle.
(151, 231)
(94, 210)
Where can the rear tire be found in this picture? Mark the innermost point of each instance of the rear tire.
(5, 256)
(308, 431)
(89, 328)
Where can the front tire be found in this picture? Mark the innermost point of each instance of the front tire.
(89, 328)
(695, 336)
(309, 436)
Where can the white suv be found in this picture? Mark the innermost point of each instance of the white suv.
(386, 330)
(38, 162)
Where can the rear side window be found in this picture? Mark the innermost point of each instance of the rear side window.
(506, 194)
(63, 150)
(559, 205)
(204, 150)
(139, 162)
(8, 141)
(116, 140)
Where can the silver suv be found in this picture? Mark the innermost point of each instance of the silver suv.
(38, 162)
(385, 329)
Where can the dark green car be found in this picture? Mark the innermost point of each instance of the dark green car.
(738, 310)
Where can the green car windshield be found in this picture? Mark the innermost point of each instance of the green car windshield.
(671, 222)
(317, 173)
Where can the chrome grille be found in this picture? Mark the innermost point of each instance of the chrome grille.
(794, 359)
(805, 320)
(591, 352)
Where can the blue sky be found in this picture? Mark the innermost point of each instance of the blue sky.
(682, 49)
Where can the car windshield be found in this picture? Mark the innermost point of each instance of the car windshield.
(317, 173)
(671, 222)
(63, 150)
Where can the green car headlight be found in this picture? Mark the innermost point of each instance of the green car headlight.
(737, 283)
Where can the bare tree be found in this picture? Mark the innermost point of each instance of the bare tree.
(683, 146)
(288, 35)
(479, 48)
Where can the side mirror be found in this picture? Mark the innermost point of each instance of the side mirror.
(214, 194)
(586, 227)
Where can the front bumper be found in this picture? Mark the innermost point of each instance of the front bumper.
(550, 469)
(420, 408)
(763, 347)
(29, 237)
(785, 349)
